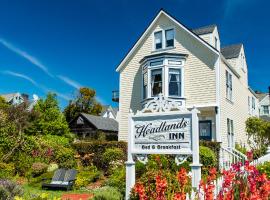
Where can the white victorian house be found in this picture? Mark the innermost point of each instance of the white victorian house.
(189, 66)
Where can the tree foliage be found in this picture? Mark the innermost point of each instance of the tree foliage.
(50, 120)
(258, 131)
(85, 102)
(14, 120)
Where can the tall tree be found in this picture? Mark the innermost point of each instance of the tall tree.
(50, 119)
(85, 102)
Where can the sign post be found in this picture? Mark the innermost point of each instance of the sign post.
(163, 127)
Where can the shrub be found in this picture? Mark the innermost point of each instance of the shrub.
(107, 193)
(96, 149)
(118, 180)
(52, 167)
(36, 182)
(9, 189)
(6, 170)
(65, 157)
(207, 158)
(38, 168)
(113, 158)
(23, 163)
(264, 169)
(214, 146)
(86, 176)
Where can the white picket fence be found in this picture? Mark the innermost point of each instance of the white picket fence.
(261, 160)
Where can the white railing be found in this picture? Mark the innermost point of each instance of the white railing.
(261, 160)
(229, 156)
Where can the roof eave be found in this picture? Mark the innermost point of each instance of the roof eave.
(150, 26)
(229, 66)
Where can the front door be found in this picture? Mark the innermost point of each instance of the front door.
(205, 129)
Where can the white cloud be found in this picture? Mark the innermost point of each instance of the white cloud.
(25, 55)
(70, 82)
(11, 73)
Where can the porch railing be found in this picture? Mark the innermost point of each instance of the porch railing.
(229, 156)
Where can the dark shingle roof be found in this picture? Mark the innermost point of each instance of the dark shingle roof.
(231, 51)
(204, 29)
(261, 96)
(102, 123)
(266, 118)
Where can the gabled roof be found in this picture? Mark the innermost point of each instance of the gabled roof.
(261, 96)
(204, 29)
(9, 97)
(231, 51)
(107, 108)
(102, 123)
(162, 12)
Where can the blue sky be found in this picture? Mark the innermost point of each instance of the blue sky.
(60, 45)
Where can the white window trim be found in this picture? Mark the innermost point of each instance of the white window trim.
(165, 77)
(230, 99)
(163, 39)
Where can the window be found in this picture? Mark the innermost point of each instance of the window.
(156, 82)
(228, 86)
(174, 82)
(216, 42)
(253, 104)
(230, 131)
(169, 35)
(249, 110)
(158, 40)
(265, 110)
(205, 130)
(145, 83)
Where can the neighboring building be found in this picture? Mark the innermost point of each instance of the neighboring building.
(15, 98)
(264, 105)
(189, 66)
(87, 126)
(18, 98)
(110, 112)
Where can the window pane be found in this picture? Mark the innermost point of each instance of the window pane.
(158, 40)
(169, 34)
(174, 82)
(156, 81)
(155, 63)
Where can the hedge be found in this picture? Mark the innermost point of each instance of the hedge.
(97, 148)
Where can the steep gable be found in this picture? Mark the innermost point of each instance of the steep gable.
(192, 39)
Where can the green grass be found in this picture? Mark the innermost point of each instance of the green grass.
(29, 191)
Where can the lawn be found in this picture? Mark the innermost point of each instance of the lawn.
(30, 191)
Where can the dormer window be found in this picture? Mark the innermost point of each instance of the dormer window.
(158, 40)
(169, 36)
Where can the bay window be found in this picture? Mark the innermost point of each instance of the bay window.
(174, 82)
(163, 75)
(156, 82)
